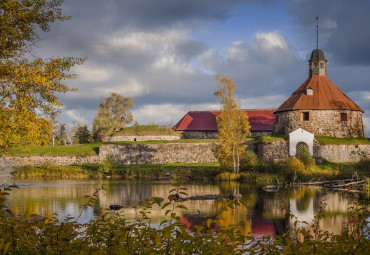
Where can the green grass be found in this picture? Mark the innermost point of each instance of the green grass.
(51, 171)
(85, 150)
(267, 139)
(80, 150)
(334, 140)
(179, 171)
(142, 130)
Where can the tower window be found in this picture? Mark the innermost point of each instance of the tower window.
(305, 116)
(321, 65)
(343, 116)
(309, 92)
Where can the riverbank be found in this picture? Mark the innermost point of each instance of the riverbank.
(268, 172)
(201, 171)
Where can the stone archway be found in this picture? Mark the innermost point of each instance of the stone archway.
(300, 148)
(299, 139)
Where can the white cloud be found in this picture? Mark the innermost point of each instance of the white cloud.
(76, 116)
(93, 73)
(237, 51)
(130, 88)
(271, 40)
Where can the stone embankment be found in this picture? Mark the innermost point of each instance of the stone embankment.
(128, 154)
(159, 153)
(189, 153)
(40, 160)
(343, 152)
(139, 138)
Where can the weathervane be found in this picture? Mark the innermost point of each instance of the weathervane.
(317, 32)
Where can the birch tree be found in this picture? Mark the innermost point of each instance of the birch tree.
(233, 126)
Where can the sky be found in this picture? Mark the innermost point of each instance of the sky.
(165, 54)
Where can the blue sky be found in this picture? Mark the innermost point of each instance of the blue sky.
(165, 53)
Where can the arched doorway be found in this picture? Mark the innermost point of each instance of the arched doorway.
(301, 148)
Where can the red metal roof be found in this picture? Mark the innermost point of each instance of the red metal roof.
(326, 96)
(259, 119)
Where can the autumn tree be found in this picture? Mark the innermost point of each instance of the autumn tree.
(113, 112)
(28, 84)
(233, 126)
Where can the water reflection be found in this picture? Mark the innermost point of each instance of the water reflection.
(261, 212)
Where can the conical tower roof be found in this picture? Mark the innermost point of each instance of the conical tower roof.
(322, 95)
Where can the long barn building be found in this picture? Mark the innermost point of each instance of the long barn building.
(203, 124)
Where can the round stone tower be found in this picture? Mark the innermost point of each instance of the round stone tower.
(319, 106)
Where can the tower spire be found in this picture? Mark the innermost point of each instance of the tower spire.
(317, 32)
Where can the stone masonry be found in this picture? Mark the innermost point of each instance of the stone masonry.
(212, 134)
(138, 138)
(321, 123)
(190, 153)
(159, 153)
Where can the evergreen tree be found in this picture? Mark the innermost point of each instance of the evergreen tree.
(83, 135)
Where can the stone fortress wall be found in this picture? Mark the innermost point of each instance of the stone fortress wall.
(190, 153)
(139, 138)
(212, 134)
(321, 122)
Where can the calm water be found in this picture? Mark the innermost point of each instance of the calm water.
(262, 213)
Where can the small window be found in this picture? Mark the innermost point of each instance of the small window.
(343, 116)
(309, 92)
(316, 65)
(305, 116)
(321, 65)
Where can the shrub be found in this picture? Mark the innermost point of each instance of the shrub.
(249, 162)
(269, 166)
(292, 167)
(363, 166)
(108, 165)
(306, 158)
(227, 176)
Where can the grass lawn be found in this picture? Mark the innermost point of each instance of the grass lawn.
(80, 150)
(198, 171)
(141, 130)
(84, 150)
(334, 140)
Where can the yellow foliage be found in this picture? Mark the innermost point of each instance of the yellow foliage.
(233, 126)
(28, 86)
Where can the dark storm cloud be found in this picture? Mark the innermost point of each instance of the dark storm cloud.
(144, 49)
(344, 28)
(150, 14)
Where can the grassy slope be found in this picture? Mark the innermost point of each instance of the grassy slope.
(334, 140)
(84, 150)
(142, 130)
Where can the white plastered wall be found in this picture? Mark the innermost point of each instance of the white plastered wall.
(300, 135)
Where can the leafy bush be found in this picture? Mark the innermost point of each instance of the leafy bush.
(227, 176)
(363, 166)
(293, 167)
(109, 165)
(269, 166)
(113, 234)
(249, 162)
(306, 158)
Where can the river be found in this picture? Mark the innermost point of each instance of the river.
(261, 212)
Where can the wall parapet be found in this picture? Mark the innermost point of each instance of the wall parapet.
(139, 138)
